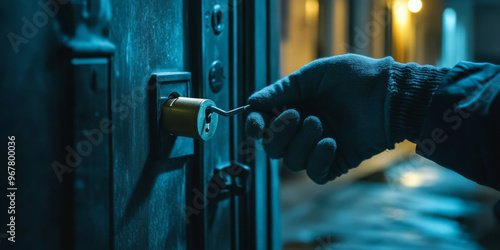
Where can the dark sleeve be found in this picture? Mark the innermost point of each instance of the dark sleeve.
(461, 130)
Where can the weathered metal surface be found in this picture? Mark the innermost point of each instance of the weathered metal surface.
(150, 37)
(92, 60)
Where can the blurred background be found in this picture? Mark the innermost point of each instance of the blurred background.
(396, 199)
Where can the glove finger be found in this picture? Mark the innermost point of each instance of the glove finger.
(302, 145)
(255, 123)
(280, 132)
(320, 161)
(340, 166)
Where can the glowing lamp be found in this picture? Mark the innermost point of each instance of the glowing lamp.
(414, 5)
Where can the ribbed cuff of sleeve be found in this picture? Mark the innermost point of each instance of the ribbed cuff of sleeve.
(410, 91)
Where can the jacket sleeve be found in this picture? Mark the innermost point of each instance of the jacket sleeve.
(461, 130)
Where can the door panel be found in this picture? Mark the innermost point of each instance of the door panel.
(150, 38)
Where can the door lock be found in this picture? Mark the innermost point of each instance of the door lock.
(176, 118)
(193, 117)
(189, 117)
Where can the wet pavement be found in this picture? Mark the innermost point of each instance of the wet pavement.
(414, 204)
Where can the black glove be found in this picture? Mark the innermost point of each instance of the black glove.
(340, 111)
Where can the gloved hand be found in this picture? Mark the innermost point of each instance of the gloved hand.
(338, 111)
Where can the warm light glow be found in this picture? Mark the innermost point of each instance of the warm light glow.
(312, 9)
(410, 179)
(415, 5)
(401, 15)
(425, 176)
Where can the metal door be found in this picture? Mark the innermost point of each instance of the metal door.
(98, 179)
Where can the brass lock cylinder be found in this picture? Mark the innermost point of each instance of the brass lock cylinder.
(187, 117)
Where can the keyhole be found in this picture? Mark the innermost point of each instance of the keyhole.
(208, 119)
(217, 19)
